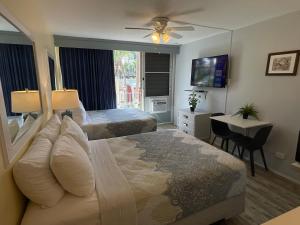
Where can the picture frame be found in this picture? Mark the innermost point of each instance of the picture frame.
(283, 63)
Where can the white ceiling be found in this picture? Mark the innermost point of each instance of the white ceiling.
(6, 26)
(107, 19)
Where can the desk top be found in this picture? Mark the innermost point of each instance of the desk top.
(291, 218)
(238, 121)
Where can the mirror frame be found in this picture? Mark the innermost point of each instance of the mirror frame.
(9, 151)
(54, 59)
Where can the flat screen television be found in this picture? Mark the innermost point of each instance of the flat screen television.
(210, 71)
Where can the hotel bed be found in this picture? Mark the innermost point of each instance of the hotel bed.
(110, 123)
(163, 177)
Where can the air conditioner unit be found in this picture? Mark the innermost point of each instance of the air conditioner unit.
(159, 105)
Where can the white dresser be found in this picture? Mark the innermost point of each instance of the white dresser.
(194, 123)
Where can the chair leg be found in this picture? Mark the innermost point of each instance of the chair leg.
(239, 150)
(242, 154)
(214, 140)
(263, 158)
(252, 163)
(233, 150)
(227, 143)
(222, 145)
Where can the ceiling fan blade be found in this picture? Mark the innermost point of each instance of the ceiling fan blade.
(198, 25)
(175, 35)
(191, 11)
(179, 22)
(148, 35)
(186, 28)
(137, 28)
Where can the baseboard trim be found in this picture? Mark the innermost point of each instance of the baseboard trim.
(273, 171)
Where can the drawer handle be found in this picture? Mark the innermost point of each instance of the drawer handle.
(185, 124)
(185, 116)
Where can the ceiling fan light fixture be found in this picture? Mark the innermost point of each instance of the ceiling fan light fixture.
(155, 37)
(166, 37)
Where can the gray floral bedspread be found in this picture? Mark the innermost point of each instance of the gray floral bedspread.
(117, 122)
(174, 175)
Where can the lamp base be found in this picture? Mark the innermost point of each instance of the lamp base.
(67, 113)
(33, 115)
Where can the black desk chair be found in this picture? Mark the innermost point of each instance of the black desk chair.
(253, 144)
(221, 130)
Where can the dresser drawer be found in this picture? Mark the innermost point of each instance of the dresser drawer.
(186, 122)
(186, 116)
(187, 131)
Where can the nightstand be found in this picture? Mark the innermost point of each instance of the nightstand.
(194, 123)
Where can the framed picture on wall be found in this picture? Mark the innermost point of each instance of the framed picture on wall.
(283, 63)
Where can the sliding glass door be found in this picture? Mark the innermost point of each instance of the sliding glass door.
(128, 79)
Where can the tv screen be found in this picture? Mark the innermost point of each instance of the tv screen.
(210, 71)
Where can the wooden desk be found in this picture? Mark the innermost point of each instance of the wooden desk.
(238, 121)
(290, 218)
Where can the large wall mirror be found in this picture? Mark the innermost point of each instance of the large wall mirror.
(20, 96)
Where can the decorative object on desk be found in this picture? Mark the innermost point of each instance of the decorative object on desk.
(193, 101)
(27, 101)
(247, 110)
(65, 100)
(283, 63)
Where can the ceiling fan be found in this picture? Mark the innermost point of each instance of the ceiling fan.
(160, 30)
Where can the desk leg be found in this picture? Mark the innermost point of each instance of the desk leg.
(247, 132)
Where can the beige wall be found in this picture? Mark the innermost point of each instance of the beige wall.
(11, 201)
(277, 98)
(215, 100)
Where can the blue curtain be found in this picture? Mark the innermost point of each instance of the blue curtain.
(52, 73)
(91, 72)
(17, 71)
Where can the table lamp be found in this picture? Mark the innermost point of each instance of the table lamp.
(65, 100)
(27, 101)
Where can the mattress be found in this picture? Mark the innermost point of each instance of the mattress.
(70, 210)
(172, 177)
(117, 122)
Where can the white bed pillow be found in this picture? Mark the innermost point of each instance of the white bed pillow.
(23, 129)
(69, 127)
(51, 129)
(72, 167)
(34, 177)
(13, 129)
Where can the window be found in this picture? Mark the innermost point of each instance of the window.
(157, 74)
(128, 79)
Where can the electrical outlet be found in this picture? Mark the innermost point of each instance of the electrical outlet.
(280, 155)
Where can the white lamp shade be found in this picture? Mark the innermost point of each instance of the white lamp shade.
(25, 101)
(65, 99)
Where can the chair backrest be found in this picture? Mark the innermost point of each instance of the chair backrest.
(262, 135)
(219, 128)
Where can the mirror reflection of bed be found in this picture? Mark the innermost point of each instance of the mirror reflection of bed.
(18, 81)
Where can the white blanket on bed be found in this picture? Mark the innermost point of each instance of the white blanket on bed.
(116, 200)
